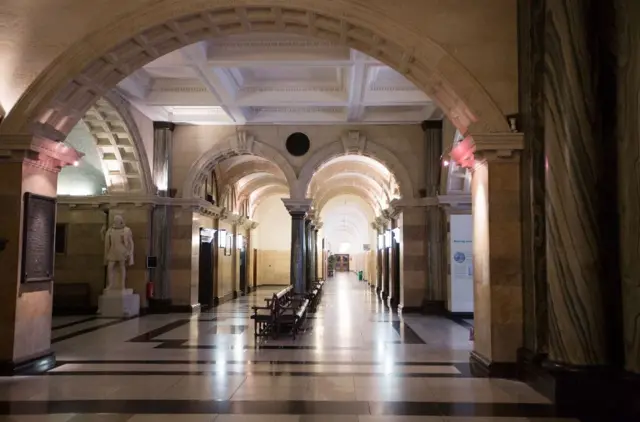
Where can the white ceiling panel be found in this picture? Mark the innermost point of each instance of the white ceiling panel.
(275, 78)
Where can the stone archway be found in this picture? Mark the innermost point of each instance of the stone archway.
(73, 82)
(240, 143)
(117, 138)
(354, 143)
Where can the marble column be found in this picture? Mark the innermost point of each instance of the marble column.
(578, 328)
(379, 253)
(497, 253)
(386, 265)
(315, 250)
(435, 294)
(307, 252)
(298, 209)
(162, 215)
(531, 18)
(628, 129)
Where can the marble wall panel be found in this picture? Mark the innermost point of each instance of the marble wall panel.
(628, 129)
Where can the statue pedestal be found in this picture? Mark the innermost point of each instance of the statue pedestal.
(119, 303)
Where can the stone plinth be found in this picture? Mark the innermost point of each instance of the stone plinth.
(119, 303)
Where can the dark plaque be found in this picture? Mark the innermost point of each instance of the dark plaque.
(38, 243)
(298, 144)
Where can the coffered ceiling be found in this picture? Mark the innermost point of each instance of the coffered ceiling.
(272, 78)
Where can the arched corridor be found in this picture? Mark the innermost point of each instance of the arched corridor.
(426, 164)
(354, 361)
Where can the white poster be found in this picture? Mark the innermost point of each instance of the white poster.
(461, 249)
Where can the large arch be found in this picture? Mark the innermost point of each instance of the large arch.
(61, 94)
(118, 140)
(347, 178)
(240, 143)
(355, 143)
(329, 193)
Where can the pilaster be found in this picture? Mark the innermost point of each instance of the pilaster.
(497, 256)
(27, 165)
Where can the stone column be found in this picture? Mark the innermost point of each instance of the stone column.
(308, 224)
(298, 208)
(531, 19)
(26, 308)
(386, 261)
(162, 216)
(315, 248)
(435, 294)
(497, 273)
(379, 252)
(235, 279)
(578, 322)
(628, 129)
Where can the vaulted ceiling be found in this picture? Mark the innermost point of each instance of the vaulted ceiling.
(274, 78)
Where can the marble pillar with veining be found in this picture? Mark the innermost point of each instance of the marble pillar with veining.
(162, 214)
(315, 253)
(298, 209)
(436, 282)
(531, 19)
(298, 261)
(628, 128)
(577, 320)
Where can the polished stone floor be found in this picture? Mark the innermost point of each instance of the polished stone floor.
(355, 361)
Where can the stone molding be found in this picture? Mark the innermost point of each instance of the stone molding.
(38, 152)
(498, 146)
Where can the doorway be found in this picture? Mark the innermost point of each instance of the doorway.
(206, 286)
(342, 262)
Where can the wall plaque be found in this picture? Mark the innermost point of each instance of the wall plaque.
(38, 238)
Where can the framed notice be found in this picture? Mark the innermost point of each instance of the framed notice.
(38, 238)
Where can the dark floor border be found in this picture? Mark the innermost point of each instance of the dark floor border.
(254, 362)
(71, 324)
(269, 373)
(277, 407)
(91, 329)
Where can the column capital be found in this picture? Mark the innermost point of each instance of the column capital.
(297, 206)
(318, 225)
(164, 125)
(498, 146)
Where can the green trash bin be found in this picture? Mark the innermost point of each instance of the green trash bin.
(360, 275)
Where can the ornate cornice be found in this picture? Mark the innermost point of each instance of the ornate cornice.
(38, 151)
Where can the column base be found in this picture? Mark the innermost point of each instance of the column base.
(217, 301)
(159, 306)
(32, 365)
(433, 307)
(590, 393)
(483, 367)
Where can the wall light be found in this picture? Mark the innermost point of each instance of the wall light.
(222, 238)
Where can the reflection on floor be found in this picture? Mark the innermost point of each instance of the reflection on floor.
(354, 362)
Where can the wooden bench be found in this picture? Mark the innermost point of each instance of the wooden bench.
(284, 309)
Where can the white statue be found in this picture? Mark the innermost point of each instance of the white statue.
(118, 251)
